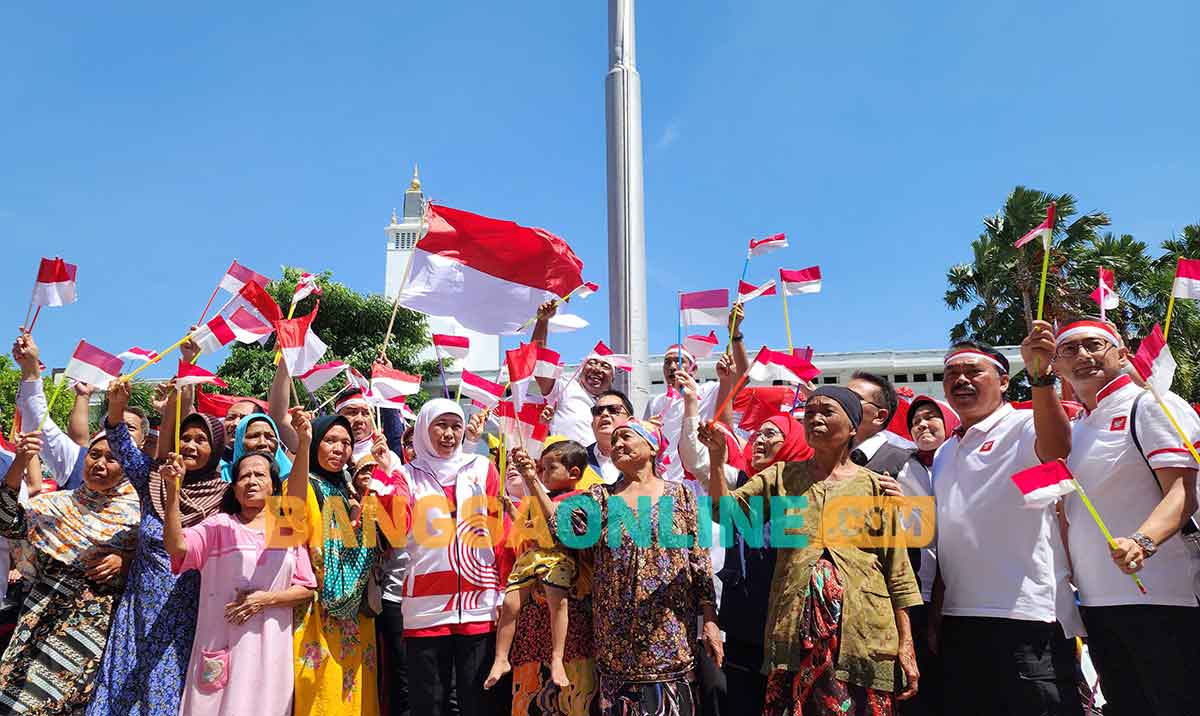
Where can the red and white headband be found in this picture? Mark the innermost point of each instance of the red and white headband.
(677, 350)
(354, 400)
(1080, 329)
(971, 354)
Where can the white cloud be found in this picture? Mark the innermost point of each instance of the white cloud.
(668, 137)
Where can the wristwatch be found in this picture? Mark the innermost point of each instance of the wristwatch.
(736, 337)
(1147, 544)
(1045, 381)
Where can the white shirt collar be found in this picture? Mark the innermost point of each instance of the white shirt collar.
(871, 445)
(990, 421)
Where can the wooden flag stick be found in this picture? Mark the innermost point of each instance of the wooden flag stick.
(34, 321)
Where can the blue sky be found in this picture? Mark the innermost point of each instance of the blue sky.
(151, 144)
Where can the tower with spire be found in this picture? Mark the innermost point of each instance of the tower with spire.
(403, 232)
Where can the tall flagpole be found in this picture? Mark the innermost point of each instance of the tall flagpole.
(626, 210)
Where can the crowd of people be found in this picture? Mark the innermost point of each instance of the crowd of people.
(154, 585)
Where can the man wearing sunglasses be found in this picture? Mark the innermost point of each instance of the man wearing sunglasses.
(611, 411)
(1132, 463)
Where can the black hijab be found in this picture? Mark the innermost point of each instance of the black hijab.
(321, 426)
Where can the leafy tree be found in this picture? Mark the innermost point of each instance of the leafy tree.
(351, 324)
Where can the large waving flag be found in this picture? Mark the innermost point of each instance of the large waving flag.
(300, 346)
(195, 375)
(807, 280)
(773, 365)
(1187, 279)
(89, 364)
(749, 292)
(55, 284)
(237, 276)
(761, 246)
(1154, 362)
(490, 275)
(704, 308)
(1042, 231)
(1106, 293)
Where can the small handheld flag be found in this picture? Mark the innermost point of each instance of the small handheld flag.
(321, 374)
(190, 374)
(704, 308)
(137, 353)
(299, 344)
(806, 280)
(237, 276)
(55, 284)
(480, 390)
(758, 247)
(749, 292)
(521, 363)
(456, 347)
(89, 364)
(1042, 231)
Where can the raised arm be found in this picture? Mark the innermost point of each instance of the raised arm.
(541, 330)
(737, 342)
(171, 472)
(297, 483)
(133, 461)
(62, 455)
(12, 515)
(1049, 418)
(277, 407)
(79, 427)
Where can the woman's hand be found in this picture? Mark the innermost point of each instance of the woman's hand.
(247, 605)
(711, 637)
(189, 351)
(302, 424)
(908, 664)
(105, 566)
(28, 447)
(172, 473)
(474, 429)
(714, 439)
(891, 487)
(737, 314)
(118, 400)
(380, 451)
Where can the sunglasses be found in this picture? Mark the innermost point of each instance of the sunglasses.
(618, 409)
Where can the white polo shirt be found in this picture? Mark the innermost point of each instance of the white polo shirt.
(671, 410)
(573, 411)
(997, 557)
(1107, 464)
(915, 481)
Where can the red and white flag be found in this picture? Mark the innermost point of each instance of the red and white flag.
(616, 360)
(306, 286)
(773, 365)
(587, 289)
(490, 275)
(89, 364)
(1106, 293)
(522, 427)
(521, 363)
(701, 346)
(484, 392)
(300, 346)
(255, 300)
(1154, 362)
(55, 284)
(749, 292)
(390, 384)
(807, 280)
(758, 247)
(136, 353)
(547, 365)
(1187, 279)
(1042, 231)
(321, 374)
(237, 276)
(1045, 483)
(704, 308)
(456, 347)
(195, 375)
(7, 449)
(222, 330)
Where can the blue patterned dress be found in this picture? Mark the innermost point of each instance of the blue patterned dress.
(150, 641)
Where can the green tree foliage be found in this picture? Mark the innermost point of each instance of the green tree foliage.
(998, 288)
(351, 324)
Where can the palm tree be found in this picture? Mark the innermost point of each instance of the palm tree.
(1184, 336)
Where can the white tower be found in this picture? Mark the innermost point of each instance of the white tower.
(402, 235)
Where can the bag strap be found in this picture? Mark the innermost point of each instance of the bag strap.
(1190, 527)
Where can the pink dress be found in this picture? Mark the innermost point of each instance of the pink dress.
(240, 670)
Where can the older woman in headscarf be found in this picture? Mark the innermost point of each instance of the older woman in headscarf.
(648, 598)
(452, 592)
(256, 431)
(145, 661)
(836, 617)
(60, 635)
(334, 640)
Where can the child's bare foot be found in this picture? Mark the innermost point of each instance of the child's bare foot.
(558, 674)
(500, 667)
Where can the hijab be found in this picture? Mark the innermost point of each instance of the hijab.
(68, 526)
(201, 490)
(239, 439)
(950, 422)
(444, 469)
(794, 448)
(321, 426)
(850, 401)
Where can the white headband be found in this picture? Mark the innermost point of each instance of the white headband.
(1097, 329)
(969, 353)
(353, 401)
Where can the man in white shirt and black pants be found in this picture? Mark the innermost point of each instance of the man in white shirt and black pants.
(1002, 570)
(1142, 481)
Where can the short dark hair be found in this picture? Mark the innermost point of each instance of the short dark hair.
(891, 400)
(141, 413)
(229, 502)
(624, 399)
(985, 349)
(569, 453)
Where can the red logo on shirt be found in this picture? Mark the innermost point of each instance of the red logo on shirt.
(1118, 423)
(987, 447)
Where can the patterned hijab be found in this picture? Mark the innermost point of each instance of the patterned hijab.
(202, 488)
(70, 525)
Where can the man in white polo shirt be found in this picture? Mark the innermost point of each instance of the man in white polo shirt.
(1146, 647)
(573, 396)
(1002, 568)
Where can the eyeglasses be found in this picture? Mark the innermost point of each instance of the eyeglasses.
(1094, 346)
(768, 435)
(615, 409)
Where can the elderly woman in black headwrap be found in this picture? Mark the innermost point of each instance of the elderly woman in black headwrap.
(837, 626)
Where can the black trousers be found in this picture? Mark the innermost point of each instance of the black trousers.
(1147, 656)
(441, 665)
(928, 700)
(745, 684)
(1007, 667)
(393, 672)
(710, 684)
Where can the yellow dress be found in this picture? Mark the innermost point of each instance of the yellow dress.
(335, 666)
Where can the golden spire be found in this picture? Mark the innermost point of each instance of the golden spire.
(416, 180)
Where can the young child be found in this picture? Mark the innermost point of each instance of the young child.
(551, 479)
